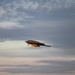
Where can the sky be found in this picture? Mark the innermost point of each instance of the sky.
(49, 21)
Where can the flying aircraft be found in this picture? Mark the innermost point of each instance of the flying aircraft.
(36, 43)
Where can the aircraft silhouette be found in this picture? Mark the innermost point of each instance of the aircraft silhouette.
(36, 43)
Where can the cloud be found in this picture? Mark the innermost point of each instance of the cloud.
(19, 10)
(70, 3)
(2, 11)
(29, 5)
(52, 67)
(9, 25)
(24, 65)
(49, 5)
(13, 12)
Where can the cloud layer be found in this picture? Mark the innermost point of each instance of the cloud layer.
(49, 67)
(9, 25)
(18, 10)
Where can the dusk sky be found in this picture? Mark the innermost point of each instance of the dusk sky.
(49, 21)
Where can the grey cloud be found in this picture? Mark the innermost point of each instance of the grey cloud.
(13, 34)
(52, 67)
(55, 62)
(23, 65)
(19, 8)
